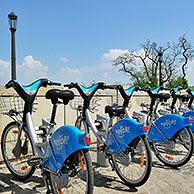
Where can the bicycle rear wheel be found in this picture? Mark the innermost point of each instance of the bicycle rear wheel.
(16, 153)
(178, 152)
(77, 175)
(136, 170)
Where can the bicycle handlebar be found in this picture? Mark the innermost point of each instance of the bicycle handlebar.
(101, 86)
(71, 85)
(50, 83)
(12, 83)
(111, 87)
(144, 90)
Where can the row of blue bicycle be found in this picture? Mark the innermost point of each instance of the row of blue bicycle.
(62, 153)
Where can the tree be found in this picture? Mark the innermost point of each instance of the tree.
(143, 67)
(180, 81)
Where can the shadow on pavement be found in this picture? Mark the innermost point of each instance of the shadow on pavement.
(8, 183)
(157, 164)
(110, 182)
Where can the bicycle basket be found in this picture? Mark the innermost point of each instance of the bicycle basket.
(116, 99)
(11, 104)
(77, 102)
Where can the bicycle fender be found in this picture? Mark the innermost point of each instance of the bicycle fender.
(122, 133)
(168, 124)
(190, 114)
(64, 141)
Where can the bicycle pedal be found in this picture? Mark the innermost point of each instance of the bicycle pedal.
(101, 148)
(34, 161)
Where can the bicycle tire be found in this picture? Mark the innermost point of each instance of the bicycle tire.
(84, 176)
(141, 159)
(17, 162)
(168, 154)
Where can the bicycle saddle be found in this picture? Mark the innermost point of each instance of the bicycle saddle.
(65, 95)
(114, 110)
(185, 97)
(163, 97)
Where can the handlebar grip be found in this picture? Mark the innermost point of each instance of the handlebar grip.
(50, 83)
(112, 87)
(71, 85)
(56, 84)
(9, 84)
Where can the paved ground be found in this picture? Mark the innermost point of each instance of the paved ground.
(162, 180)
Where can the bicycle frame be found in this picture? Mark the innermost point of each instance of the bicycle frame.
(59, 143)
(186, 112)
(164, 127)
(113, 143)
(119, 136)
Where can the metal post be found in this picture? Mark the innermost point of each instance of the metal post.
(13, 56)
(13, 22)
(160, 68)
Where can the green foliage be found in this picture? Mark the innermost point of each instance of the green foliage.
(180, 81)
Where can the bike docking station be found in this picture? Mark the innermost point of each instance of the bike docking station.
(102, 124)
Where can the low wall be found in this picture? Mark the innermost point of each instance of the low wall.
(67, 114)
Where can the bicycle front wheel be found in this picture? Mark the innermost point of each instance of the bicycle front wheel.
(77, 175)
(16, 152)
(135, 169)
(178, 151)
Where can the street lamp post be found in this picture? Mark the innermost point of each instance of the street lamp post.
(13, 23)
(160, 68)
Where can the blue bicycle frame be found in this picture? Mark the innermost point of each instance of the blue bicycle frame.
(122, 133)
(60, 144)
(166, 126)
(64, 141)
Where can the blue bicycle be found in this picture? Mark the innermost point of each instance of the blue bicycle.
(169, 136)
(185, 107)
(61, 154)
(125, 145)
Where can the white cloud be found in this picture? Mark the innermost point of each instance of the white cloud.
(31, 69)
(64, 59)
(105, 75)
(102, 72)
(4, 71)
(107, 58)
(4, 65)
(68, 70)
(67, 74)
(190, 72)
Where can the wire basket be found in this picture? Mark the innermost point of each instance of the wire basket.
(11, 103)
(116, 99)
(77, 102)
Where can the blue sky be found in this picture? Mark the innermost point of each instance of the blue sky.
(75, 40)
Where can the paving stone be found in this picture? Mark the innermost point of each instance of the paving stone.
(163, 180)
